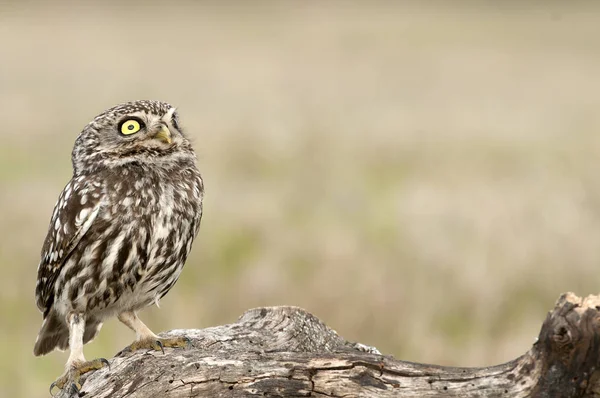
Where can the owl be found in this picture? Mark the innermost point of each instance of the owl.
(120, 232)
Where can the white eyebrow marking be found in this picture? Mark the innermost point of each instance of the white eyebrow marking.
(169, 115)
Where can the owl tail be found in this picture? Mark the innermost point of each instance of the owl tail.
(54, 333)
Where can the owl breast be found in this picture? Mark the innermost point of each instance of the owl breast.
(137, 246)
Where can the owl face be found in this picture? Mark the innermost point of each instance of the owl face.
(145, 132)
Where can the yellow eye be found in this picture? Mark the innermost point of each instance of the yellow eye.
(130, 126)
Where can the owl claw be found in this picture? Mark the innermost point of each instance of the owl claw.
(160, 345)
(74, 387)
(104, 361)
(51, 388)
(177, 342)
(157, 344)
(60, 385)
(188, 342)
(73, 375)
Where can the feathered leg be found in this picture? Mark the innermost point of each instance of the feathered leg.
(76, 364)
(145, 338)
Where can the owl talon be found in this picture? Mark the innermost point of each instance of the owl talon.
(60, 385)
(177, 342)
(54, 384)
(75, 388)
(73, 375)
(157, 344)
(160, 345)
(187, 341)
(105, 362)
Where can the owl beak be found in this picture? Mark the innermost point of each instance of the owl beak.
(163, 135)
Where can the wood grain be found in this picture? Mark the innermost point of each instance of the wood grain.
(287, 352)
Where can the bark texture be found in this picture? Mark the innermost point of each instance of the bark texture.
(287, 352)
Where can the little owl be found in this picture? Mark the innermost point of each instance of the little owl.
(120, 232)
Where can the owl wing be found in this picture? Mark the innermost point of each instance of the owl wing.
(76, 209)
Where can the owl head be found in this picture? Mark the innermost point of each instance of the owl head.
(143, 132)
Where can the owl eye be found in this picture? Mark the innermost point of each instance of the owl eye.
(130, 126)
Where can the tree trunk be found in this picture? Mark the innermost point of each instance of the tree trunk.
(287, 352)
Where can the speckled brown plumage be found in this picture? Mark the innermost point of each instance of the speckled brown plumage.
(124, 224)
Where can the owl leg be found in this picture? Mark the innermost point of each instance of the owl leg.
(145, 338)
(76, 364)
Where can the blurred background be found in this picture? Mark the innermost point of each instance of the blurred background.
(422, 177)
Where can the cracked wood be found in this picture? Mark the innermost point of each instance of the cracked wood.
(287, 352)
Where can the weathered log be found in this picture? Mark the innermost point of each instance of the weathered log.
(287, 352)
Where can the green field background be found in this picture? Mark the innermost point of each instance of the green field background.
(423, 178)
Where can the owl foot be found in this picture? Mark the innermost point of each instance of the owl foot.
(72, 377)
(157, 344)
